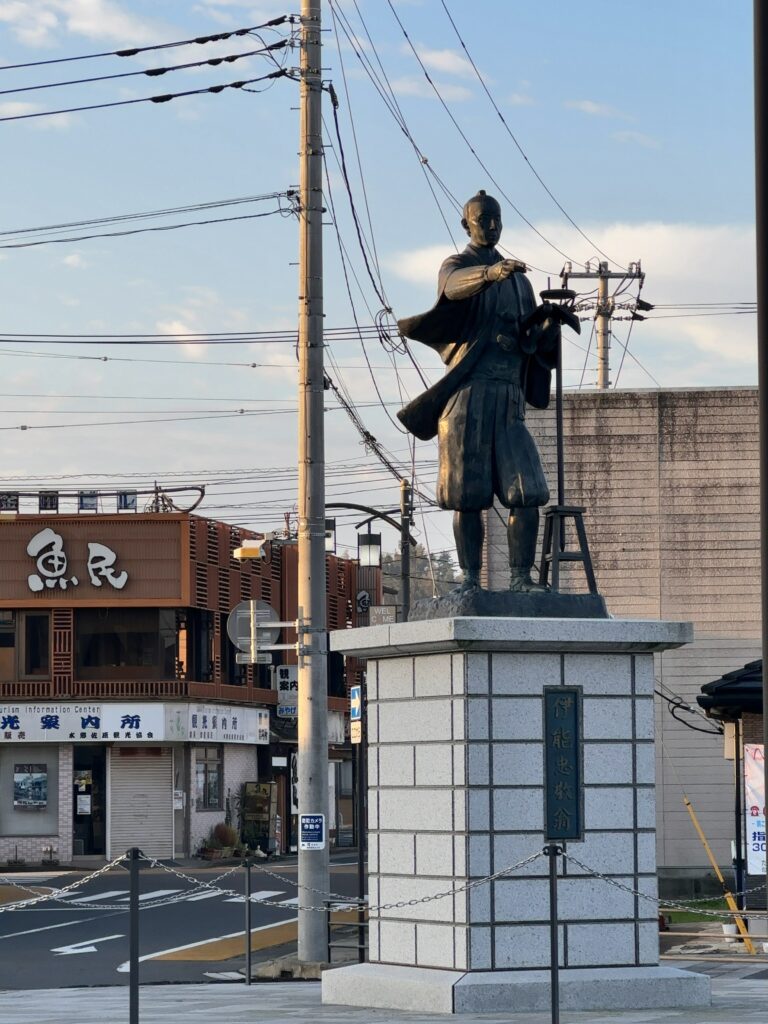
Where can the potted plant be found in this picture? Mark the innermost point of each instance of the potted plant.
(226, 838)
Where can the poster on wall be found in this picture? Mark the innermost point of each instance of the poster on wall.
(83, 783)
(30, 786)
(754, 807)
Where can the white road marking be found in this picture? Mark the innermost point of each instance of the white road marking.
(86, 946)
(99, 896)
(49, 927)
(290, 903)
(125, 967)
(256, 897)
(202, 896)
(156, 894)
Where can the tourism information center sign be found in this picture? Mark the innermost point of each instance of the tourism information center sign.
(754, 807)
(67, 723)
(130, 722)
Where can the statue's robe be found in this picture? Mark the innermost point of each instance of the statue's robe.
(477, 408)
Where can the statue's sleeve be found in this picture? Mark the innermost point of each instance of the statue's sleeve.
(463, 282)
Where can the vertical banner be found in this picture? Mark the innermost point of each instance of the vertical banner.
(563, 772)
(754, 807)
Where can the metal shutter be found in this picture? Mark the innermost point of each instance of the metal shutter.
(141, 801)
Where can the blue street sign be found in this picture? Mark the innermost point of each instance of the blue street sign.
(355, 703)
(311, 832)
(563, 771)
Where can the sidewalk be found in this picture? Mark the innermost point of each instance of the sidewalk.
(739, 994)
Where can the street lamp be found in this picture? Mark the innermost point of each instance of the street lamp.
(330, 536)
(369, 550)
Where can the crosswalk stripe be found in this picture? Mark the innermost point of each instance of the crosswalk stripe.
(208, 895)
(99, 896)
(256, 897)
(156, 894)
(290, 903)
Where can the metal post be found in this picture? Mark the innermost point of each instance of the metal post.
(247, 866)
(313, 679)
(559, 429)
(553, 851)
(361, 836)
(603, 331)
(739, 859)
(406, 517)
(761, 230)
(134, 855)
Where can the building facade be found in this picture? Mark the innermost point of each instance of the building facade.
(669, 480)
(125, 717)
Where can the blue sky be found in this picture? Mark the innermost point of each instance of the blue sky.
(638, 119)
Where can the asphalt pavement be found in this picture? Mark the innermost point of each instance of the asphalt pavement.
(736, 1000)
(186, 930)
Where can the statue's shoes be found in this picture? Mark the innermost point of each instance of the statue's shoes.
(521, 583)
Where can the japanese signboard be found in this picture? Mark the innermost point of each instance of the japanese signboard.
(311, 831)
(130, 722)
(65, 723)
(217, 723)
(287, 685)
(356, 714)
(754, 807)
(563, 773)
(85, 561)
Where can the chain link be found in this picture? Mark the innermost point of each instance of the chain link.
(23, 904)
(757, 915)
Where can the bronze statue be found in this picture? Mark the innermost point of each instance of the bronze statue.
(500, 348)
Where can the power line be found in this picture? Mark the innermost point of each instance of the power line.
(134, 50)
(516, 142)
(165, 98)
(143, 231)
(151, 72)
(465, 139)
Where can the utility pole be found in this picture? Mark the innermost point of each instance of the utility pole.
(313, 656)
(761, 229)
(406, 520)
(604, 309)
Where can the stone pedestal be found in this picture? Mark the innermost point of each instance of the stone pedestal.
(455, 761)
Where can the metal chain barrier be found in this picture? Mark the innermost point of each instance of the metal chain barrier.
(678, 904)
(22, 904)
(458, 889)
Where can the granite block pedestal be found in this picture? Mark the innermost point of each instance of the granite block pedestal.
(455, 771)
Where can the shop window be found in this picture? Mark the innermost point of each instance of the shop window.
(7, 647)
(36, 645)
(209, 775)
(121, 643)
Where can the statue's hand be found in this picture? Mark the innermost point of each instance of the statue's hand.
(504, 269)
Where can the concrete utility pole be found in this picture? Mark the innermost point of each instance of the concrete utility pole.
(761, 230)
(313, 671)
(604, 310)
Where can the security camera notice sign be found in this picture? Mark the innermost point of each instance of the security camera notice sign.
(311, 831)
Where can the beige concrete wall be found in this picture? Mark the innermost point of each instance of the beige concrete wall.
(670, 483)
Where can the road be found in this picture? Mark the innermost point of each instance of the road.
(82, 937)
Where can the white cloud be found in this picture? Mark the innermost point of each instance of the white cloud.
(519, 99)
(596, 109)
(684, 263)
(637, 139)
(41, 23)
(20, 109)
(192, 351)
(408, 85)
(448, 62)
(74, 260)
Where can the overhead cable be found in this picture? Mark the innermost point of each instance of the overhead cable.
(167, 97)
(134, 50)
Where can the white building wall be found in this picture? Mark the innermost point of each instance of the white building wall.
(670, 484)
(240, 765)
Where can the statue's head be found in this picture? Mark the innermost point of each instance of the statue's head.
(482, 219)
